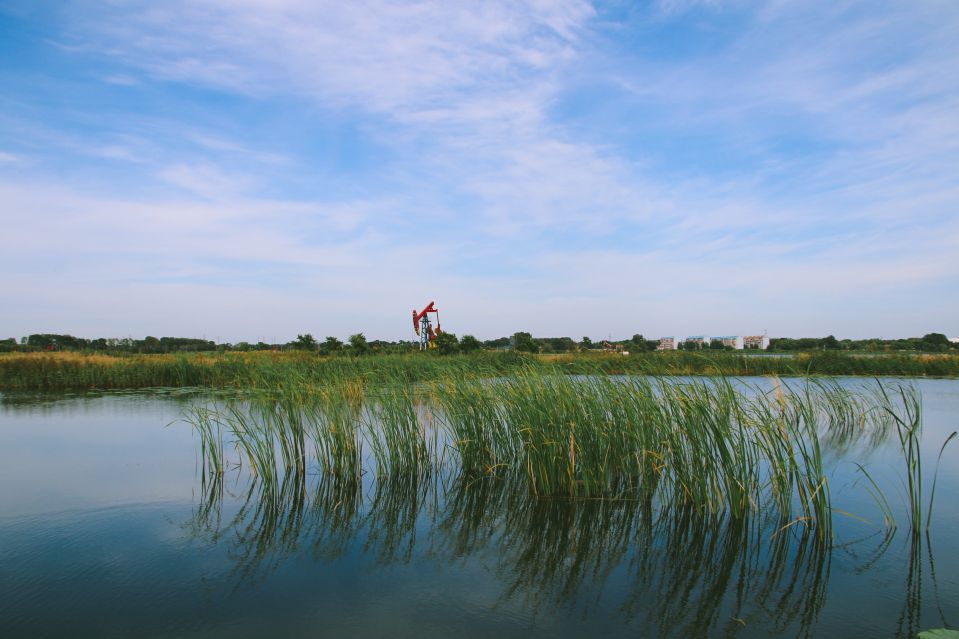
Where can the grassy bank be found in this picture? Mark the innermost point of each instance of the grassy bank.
(77, 371)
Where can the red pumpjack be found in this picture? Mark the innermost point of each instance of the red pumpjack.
(424, 328)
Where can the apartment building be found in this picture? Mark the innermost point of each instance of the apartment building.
(756, 341)
(731, 341)
(667, 344)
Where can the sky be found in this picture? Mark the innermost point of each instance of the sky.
(252, 169)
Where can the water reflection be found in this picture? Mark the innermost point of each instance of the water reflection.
(675, 569)
(360, 551)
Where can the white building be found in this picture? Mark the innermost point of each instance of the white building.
(756, 341)
(732, 341)
(667, 344)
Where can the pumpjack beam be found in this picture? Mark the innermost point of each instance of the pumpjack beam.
(424, 327)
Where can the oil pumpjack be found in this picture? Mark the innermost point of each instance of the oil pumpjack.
(424, 328)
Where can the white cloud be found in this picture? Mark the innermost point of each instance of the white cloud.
(462, 94)
(396, 57)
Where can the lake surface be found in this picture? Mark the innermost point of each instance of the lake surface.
(108, 529)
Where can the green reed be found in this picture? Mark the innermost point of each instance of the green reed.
(269, 370)
(720, 447)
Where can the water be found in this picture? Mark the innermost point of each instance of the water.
(107, 529)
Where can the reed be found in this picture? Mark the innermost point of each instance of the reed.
(716, 446)
(269, 370)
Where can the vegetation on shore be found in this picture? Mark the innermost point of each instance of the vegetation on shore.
(78, 371)
(720, 448)
(358, 344)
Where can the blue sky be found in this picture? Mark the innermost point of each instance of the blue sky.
(245, 169)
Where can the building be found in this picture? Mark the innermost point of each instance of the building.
(954, 340)
(667, 344)
(760, 342)
(701, 340)
(732, 341)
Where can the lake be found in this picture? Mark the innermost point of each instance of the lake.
(108, 528)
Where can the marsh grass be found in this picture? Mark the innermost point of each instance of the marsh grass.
(268, 370)
(718, 446)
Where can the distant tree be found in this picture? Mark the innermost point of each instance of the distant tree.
(305, 342)
(716, 345)
(556, 344)
(468, 344)
(53, 341)
(331, 345)
(637, 344)
(934, 342)
(830, 342)
(586, 343)
(446, 343)
(499, 342)
(359, 345)
(243, 346)
(150, 344)
(524, 343)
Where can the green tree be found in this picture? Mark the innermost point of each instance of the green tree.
(305, 342)
(524, 343)
(359, 345)
(934, 342)
(586, 343)
(446, 343)
(468, 344)
(331, 345)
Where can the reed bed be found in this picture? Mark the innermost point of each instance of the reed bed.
(73, 371)
(717, 446)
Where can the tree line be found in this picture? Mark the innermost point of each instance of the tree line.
(449, 343)
(930, 343)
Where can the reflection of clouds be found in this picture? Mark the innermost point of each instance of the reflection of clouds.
(68, 452)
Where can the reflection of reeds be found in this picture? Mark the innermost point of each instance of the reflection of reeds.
(903, 405)
(208, 427)
(707, 444)
(679, 570)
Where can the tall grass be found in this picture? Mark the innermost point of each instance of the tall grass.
(58, 371)
(719, 447)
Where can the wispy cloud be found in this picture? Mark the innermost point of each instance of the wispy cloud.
(674, 164)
